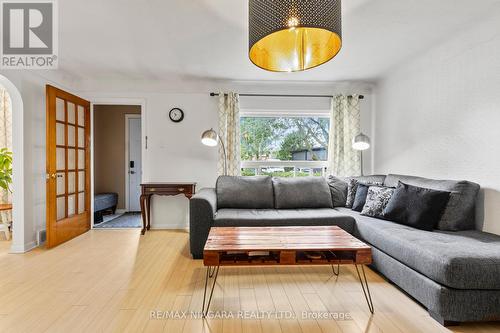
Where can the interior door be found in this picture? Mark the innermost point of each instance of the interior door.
(135, 165)
(68, 166)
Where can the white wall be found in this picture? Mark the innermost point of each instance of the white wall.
(438, 115)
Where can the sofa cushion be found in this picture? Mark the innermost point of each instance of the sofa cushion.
(338, 190)
(418, 207)
(282, 217)
(301, 192)
(245, 192)
(459, 213)
(461, 260)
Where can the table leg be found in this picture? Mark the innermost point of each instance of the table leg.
(210, 273)
(143, 213)
(148, 201)
(366, 291)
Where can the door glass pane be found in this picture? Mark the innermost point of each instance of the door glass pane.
(81, 137)
(71, 135)
(81, 115)
(71, 204)
(61, 184)
(81, 159)
(81, 202)
(71, 113)
(60, 110)
(60, 139)
(71, 158)
(71, 182)
(60, 159)
(61, 208)
(81, 181)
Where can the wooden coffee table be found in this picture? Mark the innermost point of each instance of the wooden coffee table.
(257, 246)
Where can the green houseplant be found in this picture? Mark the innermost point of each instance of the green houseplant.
(5, 169)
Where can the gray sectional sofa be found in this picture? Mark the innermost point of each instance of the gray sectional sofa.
(453, 271)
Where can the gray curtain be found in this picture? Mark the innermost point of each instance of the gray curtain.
(345, 124)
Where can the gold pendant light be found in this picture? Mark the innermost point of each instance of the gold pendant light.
(294, 35)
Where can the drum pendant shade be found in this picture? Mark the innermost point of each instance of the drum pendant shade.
(294, 35)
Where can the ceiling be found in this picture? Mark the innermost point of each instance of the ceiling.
(207, 39)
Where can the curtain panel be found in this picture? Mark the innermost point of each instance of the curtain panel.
(229, 133)
(345, 124)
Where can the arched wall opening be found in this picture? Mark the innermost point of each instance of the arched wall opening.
(18, 232)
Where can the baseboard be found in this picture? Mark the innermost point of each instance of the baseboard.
(22, 248)
(170, 226)
(121, 211)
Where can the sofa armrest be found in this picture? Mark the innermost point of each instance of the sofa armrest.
(202, 209)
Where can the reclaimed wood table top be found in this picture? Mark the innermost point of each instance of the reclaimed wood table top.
(315, 238)
(286, 246)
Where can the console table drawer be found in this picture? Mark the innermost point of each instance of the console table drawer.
(171, 190)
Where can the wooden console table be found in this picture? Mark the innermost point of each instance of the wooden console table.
(149, 189)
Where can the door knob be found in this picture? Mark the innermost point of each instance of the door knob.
(132, 172)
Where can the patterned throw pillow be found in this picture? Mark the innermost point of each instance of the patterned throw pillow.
(352, 187)
(376, 200)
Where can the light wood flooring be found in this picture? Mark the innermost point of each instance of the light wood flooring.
(111, 281)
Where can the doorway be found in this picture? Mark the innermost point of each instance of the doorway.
(5, 166)
(117, 166)
(133, 161)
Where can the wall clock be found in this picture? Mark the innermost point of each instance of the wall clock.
(176, 115)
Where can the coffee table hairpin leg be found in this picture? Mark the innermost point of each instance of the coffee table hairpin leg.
(366, 292)
(338, 266)
(210, 273)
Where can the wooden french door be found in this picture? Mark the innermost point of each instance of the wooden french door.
(68, 166)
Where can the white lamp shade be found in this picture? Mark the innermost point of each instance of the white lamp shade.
(209, 138)
(361, 142)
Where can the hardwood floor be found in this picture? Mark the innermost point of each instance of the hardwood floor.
(112, 280)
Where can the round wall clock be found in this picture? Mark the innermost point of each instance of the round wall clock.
(176, 115)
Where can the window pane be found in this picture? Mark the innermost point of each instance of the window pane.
(284, 139)
(81, 202)
(71, 113)
(60, 114)
(71, 135)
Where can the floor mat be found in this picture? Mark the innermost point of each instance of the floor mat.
(127, 220)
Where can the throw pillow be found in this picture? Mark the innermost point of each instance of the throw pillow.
(352, 186)
(417, 207)
(376, 200)
(338, 189)
(360, 197)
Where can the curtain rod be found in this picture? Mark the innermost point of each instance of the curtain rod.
(273, 95)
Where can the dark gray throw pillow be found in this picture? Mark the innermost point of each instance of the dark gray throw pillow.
(338, 189)
(415, 206)
(360, 197)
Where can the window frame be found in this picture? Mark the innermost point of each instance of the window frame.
(259, 165)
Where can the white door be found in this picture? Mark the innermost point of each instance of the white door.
(134, 164)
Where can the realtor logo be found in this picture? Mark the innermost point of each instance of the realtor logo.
(29, 34)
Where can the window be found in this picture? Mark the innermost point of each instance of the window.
(284, 146)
